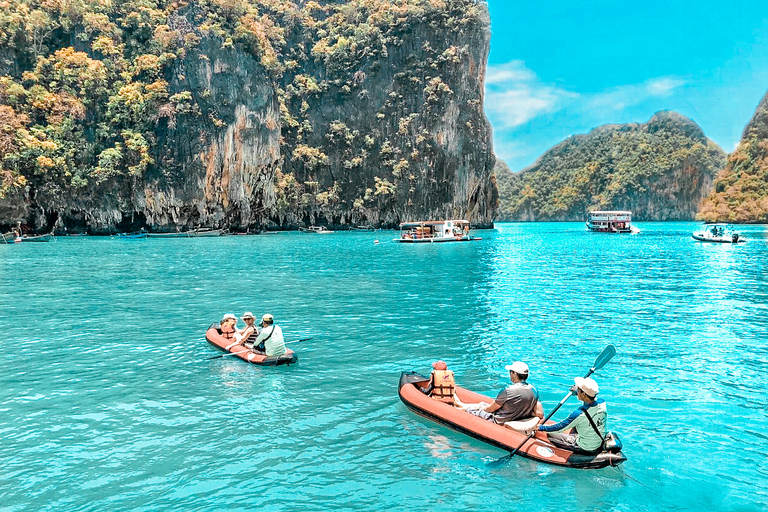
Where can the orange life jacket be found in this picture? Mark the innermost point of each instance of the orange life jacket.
(444, 385)
(228, 331)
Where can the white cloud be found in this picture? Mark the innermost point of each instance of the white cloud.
(625, 96)
(514, 95)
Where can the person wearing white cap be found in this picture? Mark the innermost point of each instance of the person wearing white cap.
(518, 401)
(270, 340)
(589, 421)
(247, 335)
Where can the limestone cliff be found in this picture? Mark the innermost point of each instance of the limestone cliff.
(660, 170)
(741, 189)
(248, 114)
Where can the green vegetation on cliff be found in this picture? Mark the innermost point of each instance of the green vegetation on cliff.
(660, 170)
(741, 189)
(105, 98)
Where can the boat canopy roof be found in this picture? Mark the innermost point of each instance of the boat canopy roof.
(417, 223)
(610, 212)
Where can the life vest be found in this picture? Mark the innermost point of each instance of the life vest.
(443, 385)
(228, 331)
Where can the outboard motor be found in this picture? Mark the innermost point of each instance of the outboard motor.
(735, 237)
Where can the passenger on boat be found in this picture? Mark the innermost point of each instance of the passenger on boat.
(442, 385)
(588, 421)
(515, 402)
(227, 326)
(270, 339)
(247, 335)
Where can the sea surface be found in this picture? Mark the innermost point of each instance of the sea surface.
(109, 401)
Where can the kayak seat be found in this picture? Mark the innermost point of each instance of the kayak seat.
(522, 426)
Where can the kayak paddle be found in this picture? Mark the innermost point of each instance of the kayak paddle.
(605, 356)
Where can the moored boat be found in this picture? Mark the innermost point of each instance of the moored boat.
(719, 233)
(13, 238)
(194, 233)
(132, 236)
(320, 230)
(37, 238)
(10, 238)
(536, 448)
(611, 222)
(429, 231)
(214, 337)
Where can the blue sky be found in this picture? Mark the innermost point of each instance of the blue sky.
(560, 68)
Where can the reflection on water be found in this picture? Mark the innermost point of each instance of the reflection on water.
(108, 399)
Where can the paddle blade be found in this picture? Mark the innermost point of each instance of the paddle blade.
(605, 356)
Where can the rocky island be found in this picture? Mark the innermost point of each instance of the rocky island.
(234, 114)
(660, 170)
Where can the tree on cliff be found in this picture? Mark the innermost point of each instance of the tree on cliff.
(660, 170)
(741, 189)
(109, 105)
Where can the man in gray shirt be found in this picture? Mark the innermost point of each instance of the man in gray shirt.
(515, 402)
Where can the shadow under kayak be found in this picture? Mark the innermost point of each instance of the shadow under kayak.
(537, 448)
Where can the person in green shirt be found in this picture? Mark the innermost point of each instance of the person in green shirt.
(577, 433)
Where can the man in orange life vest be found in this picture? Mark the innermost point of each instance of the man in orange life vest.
(442, 385)
(516, 402)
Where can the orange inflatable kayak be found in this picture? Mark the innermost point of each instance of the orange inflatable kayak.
(536, 448)
(214, 337)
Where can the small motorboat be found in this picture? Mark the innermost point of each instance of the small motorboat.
(320, 230)
(718, 233)
(13, 238)
(214, 337)
(194, 233)
(37, 238)
(505, 437)
(132, 236)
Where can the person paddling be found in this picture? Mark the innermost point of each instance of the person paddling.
(518, 401)
(270, 340)
(589, 421)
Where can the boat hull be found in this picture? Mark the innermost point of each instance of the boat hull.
(188, 234)
(436, 240)
(729, 240)
(214, 337)
(536, 448)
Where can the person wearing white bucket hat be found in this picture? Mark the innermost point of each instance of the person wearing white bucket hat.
(519, 400)
(589, 421)
(247, 335)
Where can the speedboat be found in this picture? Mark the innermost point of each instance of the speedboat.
(718, 233)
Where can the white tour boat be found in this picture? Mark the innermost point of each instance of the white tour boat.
(718, 233)
(320, 230)
(611, 222)
(430, 231)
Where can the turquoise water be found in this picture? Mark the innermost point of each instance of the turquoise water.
(108, 400)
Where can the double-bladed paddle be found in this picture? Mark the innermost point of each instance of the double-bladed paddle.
(605, 356)
(249, 350)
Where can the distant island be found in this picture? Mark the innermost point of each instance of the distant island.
(660, 170)
(258, 114)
